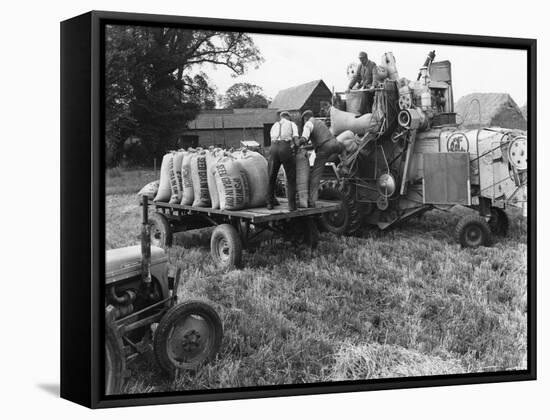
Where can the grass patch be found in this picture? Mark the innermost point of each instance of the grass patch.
(127, 181)
(406, 302)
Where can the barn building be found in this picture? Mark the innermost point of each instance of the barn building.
(314, 95)
(228, 127)
(478, 110)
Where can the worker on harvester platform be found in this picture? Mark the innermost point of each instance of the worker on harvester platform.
(325, 146)
(363, 78)
(284, 136)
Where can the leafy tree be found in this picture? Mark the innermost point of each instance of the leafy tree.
(245, 95)
(155, 86)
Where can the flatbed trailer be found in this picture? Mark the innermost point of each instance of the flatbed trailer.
(237, 230)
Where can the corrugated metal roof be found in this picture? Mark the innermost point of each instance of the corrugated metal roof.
(242, 118)
(491, 107)
(295, 97)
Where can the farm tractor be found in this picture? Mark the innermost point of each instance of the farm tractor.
(416, 158)
(142, 312)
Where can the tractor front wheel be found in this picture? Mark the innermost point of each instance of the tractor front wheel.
(188, 335)
(473, 231)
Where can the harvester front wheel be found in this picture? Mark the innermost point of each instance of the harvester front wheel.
(499, 223)
(161, 232)
(473, 231)
(188, 335)
(347, 220)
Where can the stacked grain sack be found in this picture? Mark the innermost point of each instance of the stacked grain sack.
(213, 178)
(302, 178)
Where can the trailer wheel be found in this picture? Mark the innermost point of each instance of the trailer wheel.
(226, 246)
(188, 335)
(499, 223)
(473, 231)
(311, 233)
(161, 232)
(115, 363)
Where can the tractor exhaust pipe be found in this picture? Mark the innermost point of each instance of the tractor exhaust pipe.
(146, 246)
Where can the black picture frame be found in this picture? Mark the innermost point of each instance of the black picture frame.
(83, 207)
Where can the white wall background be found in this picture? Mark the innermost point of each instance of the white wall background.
(29, 92)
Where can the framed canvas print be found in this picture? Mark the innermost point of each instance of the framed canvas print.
(255, 209)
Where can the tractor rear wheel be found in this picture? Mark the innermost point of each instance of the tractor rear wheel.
(347, 220)
(115, 363)
(473, 231)
(188, 335)
(499, 223)
(161, 232)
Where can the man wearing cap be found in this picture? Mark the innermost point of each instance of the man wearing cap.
(284, 135)
(325, 146)
(364, 77)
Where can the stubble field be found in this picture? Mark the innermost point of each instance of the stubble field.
(406, 302)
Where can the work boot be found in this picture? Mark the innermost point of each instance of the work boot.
(292, 206)
(311, 204)
(269, 205)
(276, 202)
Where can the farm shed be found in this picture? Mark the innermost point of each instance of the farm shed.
(297, 99)
(228, 127)
(490, 110)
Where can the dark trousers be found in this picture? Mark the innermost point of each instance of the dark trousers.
(282, 154)
(367, 102)
(326, 151)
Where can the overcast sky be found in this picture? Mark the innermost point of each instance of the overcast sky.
(292, 60)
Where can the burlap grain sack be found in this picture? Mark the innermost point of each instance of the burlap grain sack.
(302, 178)
(349, 140)
(343, 121)
(150, 190)
(187, 191)
(212, 158)
(255, 167)
(200, 180)
(176, 179)
(232, 184)
(164, 192)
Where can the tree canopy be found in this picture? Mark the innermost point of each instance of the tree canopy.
(155, 84)
(245, 95)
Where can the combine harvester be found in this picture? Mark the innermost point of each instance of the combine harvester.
(413, 157)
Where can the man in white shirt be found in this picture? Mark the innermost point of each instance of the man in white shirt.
(284, 135)
(325, 145)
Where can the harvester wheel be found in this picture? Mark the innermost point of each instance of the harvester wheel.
(188, 335)
(499, 223)
(161, 232)
(226, 246)
(347, 220)
(473, 231)
(115, 364)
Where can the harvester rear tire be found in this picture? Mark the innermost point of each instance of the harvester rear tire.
(499, 223)
(473, 231)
